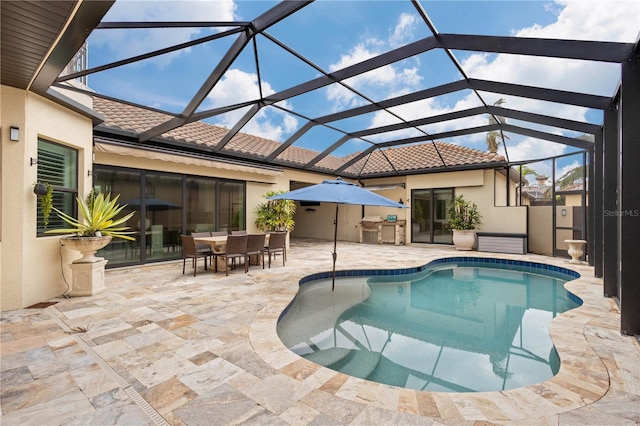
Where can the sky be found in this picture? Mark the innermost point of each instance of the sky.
(335, 34)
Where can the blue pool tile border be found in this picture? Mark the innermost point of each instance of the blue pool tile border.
(467, 260)
(551, 270)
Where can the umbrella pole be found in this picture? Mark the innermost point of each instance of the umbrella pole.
(335, 255)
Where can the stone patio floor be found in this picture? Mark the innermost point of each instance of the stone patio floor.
(160, 347)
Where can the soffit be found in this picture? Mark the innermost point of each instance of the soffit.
(28, 30)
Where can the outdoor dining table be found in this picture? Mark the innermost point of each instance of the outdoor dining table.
(217, 243)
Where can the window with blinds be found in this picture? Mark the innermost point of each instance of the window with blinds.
(58, 166)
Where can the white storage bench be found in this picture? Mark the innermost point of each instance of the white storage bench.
(499, 242)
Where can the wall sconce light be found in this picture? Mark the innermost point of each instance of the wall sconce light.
(33, 161)
(563, 212)
(89, 173)
(14, 133)
(401, 202)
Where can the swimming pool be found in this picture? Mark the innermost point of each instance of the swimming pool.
(460, 324)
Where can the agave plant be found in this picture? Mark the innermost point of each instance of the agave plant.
(97, 218)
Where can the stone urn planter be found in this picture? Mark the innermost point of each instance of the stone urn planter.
(464, 239)
(88, 246)
(87, 273)
(575, 250)
(463, 220)
(99, 222)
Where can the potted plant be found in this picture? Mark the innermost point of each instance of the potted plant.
(96, 227)
(44, 191)
(464, 219)
(275, 215)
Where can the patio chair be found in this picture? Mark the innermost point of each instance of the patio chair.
(255, 246)
(277, 244)
(203, 247)
(189, 250)
(236, 248)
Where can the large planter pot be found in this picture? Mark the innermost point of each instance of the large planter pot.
(464, 239)
(88, 246)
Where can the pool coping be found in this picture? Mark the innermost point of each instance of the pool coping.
(583, 377)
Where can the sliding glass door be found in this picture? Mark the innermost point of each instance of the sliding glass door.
(163, 215)
(429, 215)
(166, 206)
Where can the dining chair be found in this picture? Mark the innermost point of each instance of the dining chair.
(255, 246)
(277, 244)
(203, 247)
(235, 248)
(189, 250)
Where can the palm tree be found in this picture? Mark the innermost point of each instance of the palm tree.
(496, 137)
(526, 170)
(575, 175)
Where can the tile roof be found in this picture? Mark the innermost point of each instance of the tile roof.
(402, 160)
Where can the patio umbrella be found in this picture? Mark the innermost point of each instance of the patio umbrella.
(155, 204)
(340, 192)
(152, 205)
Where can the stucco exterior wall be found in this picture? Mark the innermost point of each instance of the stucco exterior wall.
(500, 218)
(317, 222)
(541, 230)
(30, 267)
(478, 186)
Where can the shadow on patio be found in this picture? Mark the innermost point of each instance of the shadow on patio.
(166, 348)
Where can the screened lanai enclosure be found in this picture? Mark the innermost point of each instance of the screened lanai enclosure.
(342, 111)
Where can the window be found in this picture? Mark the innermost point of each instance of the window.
(58, 166)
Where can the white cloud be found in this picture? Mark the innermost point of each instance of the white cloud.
(585, 20)
(567, 168)
(127, 43)
(238, 86)
(581, 20)
(530, 148)
(382, 81)
(611, 20)
(404, 29)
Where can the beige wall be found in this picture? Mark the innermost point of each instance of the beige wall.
(540, 230)
(477, 186)
(511, 219)
(30, 266)
(318, 222)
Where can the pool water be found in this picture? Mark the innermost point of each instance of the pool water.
(458, 326)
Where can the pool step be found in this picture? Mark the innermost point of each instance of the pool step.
(358, 363)
(328, 357)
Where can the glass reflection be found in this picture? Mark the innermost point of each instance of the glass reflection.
(450, 329)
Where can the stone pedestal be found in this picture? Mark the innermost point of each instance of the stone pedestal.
(87, 279)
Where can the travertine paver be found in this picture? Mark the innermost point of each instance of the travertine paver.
(168, 348)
